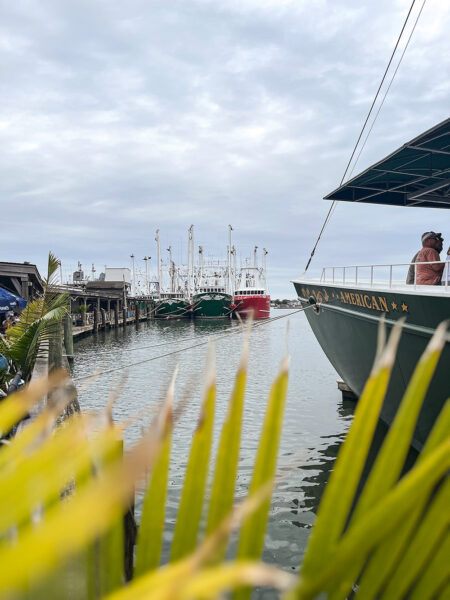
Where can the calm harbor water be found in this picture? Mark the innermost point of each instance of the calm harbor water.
(316, 418)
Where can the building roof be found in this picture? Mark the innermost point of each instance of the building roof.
(106, 285)
(417, 174)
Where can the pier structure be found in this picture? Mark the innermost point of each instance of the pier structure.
(100, 305)
(22, 279)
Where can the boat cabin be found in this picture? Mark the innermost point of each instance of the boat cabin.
(212, 290)
(166, 295)
(250, 292)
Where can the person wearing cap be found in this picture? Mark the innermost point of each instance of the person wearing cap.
(430, 274)
(411, 276)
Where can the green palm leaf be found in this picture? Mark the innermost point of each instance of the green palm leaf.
(151, 528)
(192, 497)
(225, 472)
(251, 539)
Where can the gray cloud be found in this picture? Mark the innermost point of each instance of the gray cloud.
(118, 118)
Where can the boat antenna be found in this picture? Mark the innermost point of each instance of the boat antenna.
(158, 249)
(265, 253)
(331, 209)
(230, 229)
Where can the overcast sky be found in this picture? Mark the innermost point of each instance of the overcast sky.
(118, 118)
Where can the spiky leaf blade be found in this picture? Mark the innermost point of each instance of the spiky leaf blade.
(251, 539)
(192, 496)
(225, 472)
(151, 528)
(391, 457)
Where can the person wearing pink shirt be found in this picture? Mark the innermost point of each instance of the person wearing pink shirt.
(430, 274)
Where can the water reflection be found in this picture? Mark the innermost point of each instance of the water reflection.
(315, 423)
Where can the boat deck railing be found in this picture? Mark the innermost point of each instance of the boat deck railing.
(392, 276)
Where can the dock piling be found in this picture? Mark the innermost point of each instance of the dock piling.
(68, 336)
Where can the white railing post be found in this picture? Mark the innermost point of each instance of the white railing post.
(348, 280)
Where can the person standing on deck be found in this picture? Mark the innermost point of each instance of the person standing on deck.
(430, 274)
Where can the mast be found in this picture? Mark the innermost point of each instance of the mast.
(230, 229)
(255, 257)
(265, 253)
(233, 253)
(158, 248)
(147, 288)
(200, 265)
(190, 260)
(133, 276)
(171, 270)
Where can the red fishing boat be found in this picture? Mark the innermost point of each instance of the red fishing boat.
(251, 298)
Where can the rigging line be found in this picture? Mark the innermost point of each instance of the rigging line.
(225, 331)
(84, 377)
(179, 341)
(327, 218)
(388, 88)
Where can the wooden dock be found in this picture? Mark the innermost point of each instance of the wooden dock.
(82, 330)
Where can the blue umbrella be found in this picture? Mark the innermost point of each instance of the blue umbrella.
(9, 301)
(21, 302)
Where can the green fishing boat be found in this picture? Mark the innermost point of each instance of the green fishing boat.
(172, 306)
(348, 302)
(212, 303)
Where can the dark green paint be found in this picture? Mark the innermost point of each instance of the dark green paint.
(347, 333)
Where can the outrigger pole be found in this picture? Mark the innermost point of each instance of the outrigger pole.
(265, 253)
(230, 229)
(190, 259)
(158, 249)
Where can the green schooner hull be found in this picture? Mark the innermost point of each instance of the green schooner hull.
(345, 322)
(172, 308)
(212, 305)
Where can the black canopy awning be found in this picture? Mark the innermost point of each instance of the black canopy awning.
(417, 174)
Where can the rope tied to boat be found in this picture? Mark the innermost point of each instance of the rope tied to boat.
(186, 348)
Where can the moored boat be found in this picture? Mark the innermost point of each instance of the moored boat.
(211, 299)
(349, 302)
(172, 306)
(251, 298)
(212, 303)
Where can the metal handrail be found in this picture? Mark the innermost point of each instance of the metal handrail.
(345, 279)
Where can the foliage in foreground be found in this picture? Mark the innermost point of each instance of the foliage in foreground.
(396, 538)
(38, 325)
